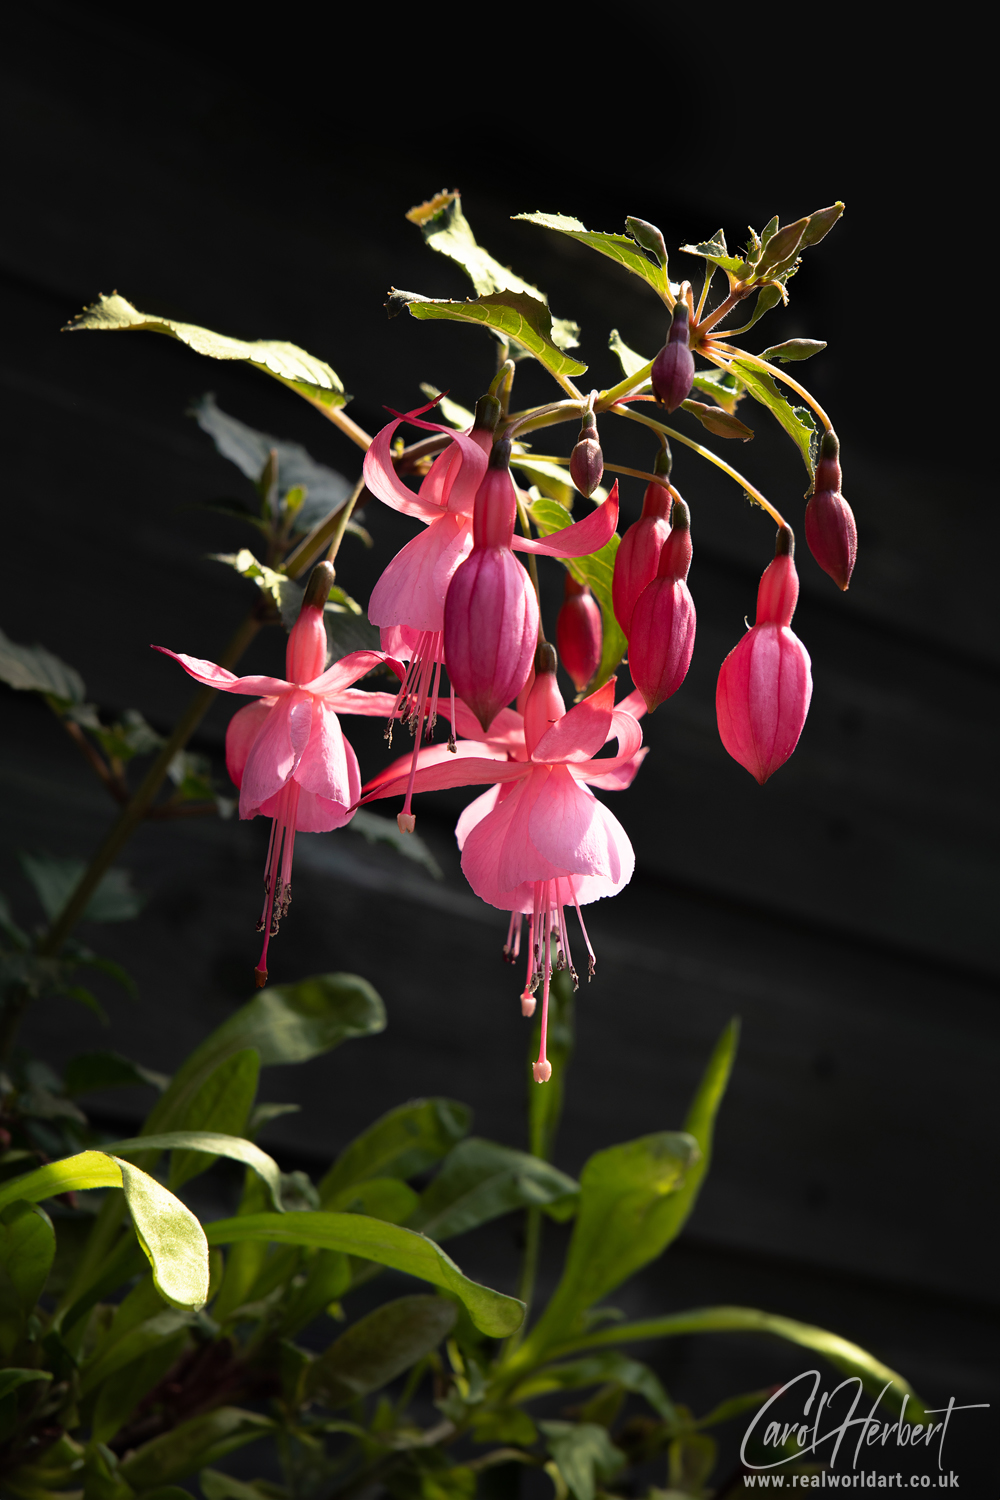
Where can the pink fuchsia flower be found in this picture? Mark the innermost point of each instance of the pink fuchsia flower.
(579, 632)
(663, 620)
(539, 840)
(491, 613)
(638, 552)
(287, 752)
(765, 682)
(830, 527)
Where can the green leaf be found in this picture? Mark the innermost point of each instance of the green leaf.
(311, 377)
(762, 388)
(169, 1233)
(726, 389)
(514, 315)
(617, 247)
(27, 1249)
(407, 1140)
(480, 1180)
(596, 570)
(222, 1106)
(379, 1347)
(376, 830)
(584, 1453)
(193, 1445)
(288, 1023)
(794, 349)
(380, 1197)
(218, 1486)
(107, 1070)
(769, 296)
(719, 422)
(630, 362)
(598, 1369)
(624, 1220)
(206, 1143)
(148, 1336)
(716, 251)
(347, 632)
(387, 1244)
(284, 593)
(10, 1379)
(700, 1123)
(33, 669)
(55, 880)
(327, 1278)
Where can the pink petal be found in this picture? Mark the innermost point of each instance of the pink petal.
(226, 681)
(567, 829)
(243, 729)
(328, 766)
(275, 753)
(498, 855)
(475, 813)
(412, 589)
(583, 537)
(619, 773)
(581, 732)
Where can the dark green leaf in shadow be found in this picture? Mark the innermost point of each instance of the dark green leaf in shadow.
(407, 1140)
(10, 1379)
(583, 1454)
(598, 1369)
(27, 1249)
(55, 880)
(35, 670)
(193, 1445)
(386, 1198)
(107, 1070)
(376, 830)
(480, 1180)
(328, 1276)
(221, 1107)
(379, 1347)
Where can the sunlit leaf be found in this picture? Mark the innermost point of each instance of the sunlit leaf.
(630, 361)
(407, 1140)
(208, 1145)
(387, 1244)
(311, 377)
(716, 251)
(33, 669)
(515, 315)
(794, 349)
(380, 1197)
(718, 422)
(597, 1369)
(379, 1347)
(480, 1180)
(762, 388)
(55, 880)
(617, 247)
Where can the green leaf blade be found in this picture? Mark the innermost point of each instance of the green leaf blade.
(617, 247)
(379, 1347)
(517, 316)
(406, 1140)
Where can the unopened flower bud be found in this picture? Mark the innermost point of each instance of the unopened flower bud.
(579, 632)
(664, 619)
(586, 464)
(673, 368)
(485, 423)
(765, 683)
(638, 554)
(830, 527)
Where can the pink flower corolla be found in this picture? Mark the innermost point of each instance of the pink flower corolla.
(287, 752)
(539, 840)
(491, 613)
(579, 632)
(663, 620)
(765, 683)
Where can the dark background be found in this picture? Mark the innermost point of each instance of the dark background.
(254, 181)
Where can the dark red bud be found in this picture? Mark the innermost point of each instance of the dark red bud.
(487, 414)
(586, 464)
(676, 553)
(831, 531)
(579, 633)
(673, 368)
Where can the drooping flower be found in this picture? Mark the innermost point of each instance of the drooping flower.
(287, 752)
(830, 526)
(579, 632)
(586, 462)
(765, 683)
(638, 553)
(491, 613)
(663, 620)
(539, 840)
(673, 368)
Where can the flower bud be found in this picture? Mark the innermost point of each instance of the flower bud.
(673, 368)
(765, 683)
(485, 422)
(638, 554)
(830, 527)
(579, 632)
(586, 464)
(663, 621)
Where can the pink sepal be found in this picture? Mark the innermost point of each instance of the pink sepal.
(347, 671)
(226, 681)
(580, 539)
(581, 732)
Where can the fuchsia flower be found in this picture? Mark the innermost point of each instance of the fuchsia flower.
(539, 839)
(579, 632)
(638, 553)
(831, 531)
(491, 613)
(765, 682)
(286, 752)
(663, 620)
(673, 368)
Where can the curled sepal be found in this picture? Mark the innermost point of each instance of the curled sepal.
(831, 531)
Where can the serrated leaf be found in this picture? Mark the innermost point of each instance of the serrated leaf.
(55, 880)
(250, 450)
(35, 670)
(617, 247)
(597, 571)
(168, 1232)
(376, 830)
(719, 383)
(286, 1023)
(303, 372)
(285, 594)
(407, 1140)
(515, 315)
(716, 251)
(762, 388)
(794, 349)
(379, 1347)
(479, 1180)
(388, 1245)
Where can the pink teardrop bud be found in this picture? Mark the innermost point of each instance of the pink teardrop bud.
(673, 368)
(586, 463)
(831, 531)
(664, 619)
(579, 632)
(765, 683)
(638, 552)
(490, 610)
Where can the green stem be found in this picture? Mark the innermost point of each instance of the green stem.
(341, 519)
(529, 1270)
(775, 373)
(608, 398)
